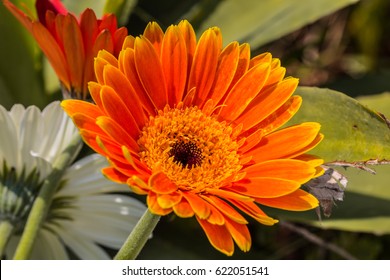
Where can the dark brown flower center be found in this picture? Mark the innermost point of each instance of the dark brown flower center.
(186, 153)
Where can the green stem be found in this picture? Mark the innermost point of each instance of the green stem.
(138, 237)
(43, 201)
(6, 229)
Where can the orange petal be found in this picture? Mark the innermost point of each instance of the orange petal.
(73, 106)
(226, 209)
(227, 194)
(251, 141)
(114, 78)
(240, 234)
(276, 74)
(261, 58)
(119, 37)
(215, 218)
(154, 34)
(116, 132)
(74, 50)
(111, 149)
(117, 110)
(254, 211)
(114, 175)
(150, 72)
(288, 169)
(243, 63)
(218, 236)
(53, 52)
(267, 103)
(174, 60)
(89, 31)
(244, 91)
(200, 206)
(169, 200)
(227, 65)
(189, 36)
(280, 116)
(94, 90)
(127, 66)
(265, 187)
(296, 201)
(161, 184)
(104, 41)
(204, 66)
(154, 207)
(89, 137)
(85, 122)
(183, 209)
(128, 42)
(287, 142)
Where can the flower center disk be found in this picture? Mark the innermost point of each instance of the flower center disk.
(195, 151)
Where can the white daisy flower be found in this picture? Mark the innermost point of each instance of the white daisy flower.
(86, 210)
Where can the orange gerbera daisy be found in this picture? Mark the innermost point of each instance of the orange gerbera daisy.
(71, 44)
(194, 127)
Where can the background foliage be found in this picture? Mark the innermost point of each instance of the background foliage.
(342, 45)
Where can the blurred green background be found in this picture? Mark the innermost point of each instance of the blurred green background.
(338, 44)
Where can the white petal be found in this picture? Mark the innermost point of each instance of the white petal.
(59, 131)
(84, 177)
(47, 246)
(9, 150)
(82, 247)
(31, 131)
(105, 219)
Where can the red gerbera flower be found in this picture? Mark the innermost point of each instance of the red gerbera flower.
(70, 44)
(196, 128)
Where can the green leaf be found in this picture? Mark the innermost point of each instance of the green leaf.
(77, 7)
(121, 8)
(20, 68)
(378, 102)
(353, 133)
(260, 22)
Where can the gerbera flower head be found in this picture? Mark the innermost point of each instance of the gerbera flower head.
(196, 128)
(71, 43)
(84, 211)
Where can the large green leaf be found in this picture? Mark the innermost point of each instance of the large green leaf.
(20, 68)
(77, 7)
(353, 132)
(259, 22)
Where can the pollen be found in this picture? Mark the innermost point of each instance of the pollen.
(195, 151)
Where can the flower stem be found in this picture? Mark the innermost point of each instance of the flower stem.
(138, 237)
(6, 229)
(42, 202)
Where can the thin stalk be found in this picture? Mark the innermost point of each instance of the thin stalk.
(6, 229)
(138, 237)
(42, 202)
